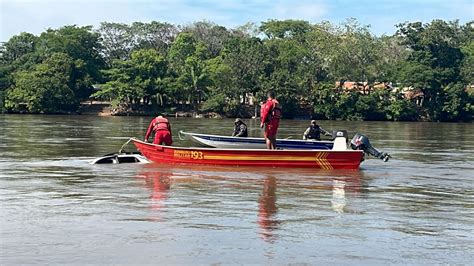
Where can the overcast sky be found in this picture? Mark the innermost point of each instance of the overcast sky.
(35, 16)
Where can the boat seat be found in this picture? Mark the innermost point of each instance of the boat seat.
(339, 144)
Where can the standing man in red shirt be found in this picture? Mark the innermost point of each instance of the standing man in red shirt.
(270, 114)
(162, 129)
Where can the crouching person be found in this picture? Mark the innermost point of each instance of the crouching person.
(162, 129)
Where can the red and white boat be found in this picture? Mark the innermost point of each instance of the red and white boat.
(338, 158)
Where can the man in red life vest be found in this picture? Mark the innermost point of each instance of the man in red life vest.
(162, 129)
(270, 119)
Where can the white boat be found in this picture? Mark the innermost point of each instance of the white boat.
(229, 142)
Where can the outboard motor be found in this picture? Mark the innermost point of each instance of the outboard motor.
(361, 142)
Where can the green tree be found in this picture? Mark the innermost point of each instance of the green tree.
(293, 29)
(211, 35)
(16, 54)
(351, 51)
(117, 41)
(324, 97)
(135, 80)
(82, 45)
(283, 63)
(187, 59)
(207, 67)
(401, 109)
(433, 64)
(244, 57)
(458, 105)
(18, 46)
(219, 89)
(45, 89)
(467, 67)
(154, 35)
(287, 68)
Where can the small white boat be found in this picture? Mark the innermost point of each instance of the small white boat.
(228, 142)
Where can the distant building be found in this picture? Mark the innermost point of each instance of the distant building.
(363, 87)
(470, 89)
(413, 94)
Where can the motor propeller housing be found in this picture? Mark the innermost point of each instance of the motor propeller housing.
(361, 142)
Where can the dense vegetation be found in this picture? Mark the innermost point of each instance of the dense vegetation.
(205, 67)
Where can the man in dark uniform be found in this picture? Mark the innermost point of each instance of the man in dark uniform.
(314, 132)
(240, 129)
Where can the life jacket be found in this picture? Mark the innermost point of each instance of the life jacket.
(161, 123)
(275, 112)
(314, 132)
(240, 130)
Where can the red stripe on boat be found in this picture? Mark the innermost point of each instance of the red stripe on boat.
(323, 159)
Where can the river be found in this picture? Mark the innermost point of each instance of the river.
(56, 208)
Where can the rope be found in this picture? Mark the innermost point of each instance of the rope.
(181, 137)
(121, 148)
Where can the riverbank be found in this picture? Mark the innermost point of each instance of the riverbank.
(106, 109)
(101, 108)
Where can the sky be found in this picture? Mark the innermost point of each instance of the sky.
(35, 16)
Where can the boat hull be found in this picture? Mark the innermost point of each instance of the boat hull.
(227, 142)
(322, 159)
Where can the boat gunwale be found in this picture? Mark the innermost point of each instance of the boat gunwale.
(242, 150)
(253, 138)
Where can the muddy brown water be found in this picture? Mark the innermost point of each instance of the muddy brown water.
(56, 208)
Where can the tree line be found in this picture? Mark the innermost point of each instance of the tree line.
(205, 67)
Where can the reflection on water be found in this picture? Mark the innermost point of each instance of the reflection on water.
(267, 209)
(55, 207)
(338, 201)
(353, 184)
(159, 184)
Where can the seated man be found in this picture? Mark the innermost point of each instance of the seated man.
(162, 129)
(314, 132)
(240, 129)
